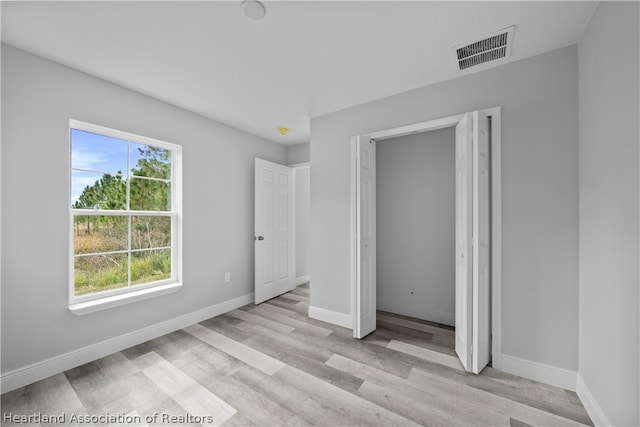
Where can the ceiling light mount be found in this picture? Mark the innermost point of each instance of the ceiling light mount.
(253, 9)
(283, 130)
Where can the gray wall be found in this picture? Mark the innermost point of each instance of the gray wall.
(609, 211)
(298, 153)
(416, 225)
(38, 98)
(539, 97)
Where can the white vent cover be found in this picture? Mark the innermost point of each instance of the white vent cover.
(490, 48)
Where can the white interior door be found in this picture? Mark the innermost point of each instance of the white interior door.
(274, 230)
(365, 309)
(481, 243)
(464, 240)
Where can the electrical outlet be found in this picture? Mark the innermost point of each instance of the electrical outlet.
(227, 277)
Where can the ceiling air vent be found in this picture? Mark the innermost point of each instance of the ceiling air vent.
(491, 48)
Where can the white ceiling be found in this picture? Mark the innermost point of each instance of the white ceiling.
(306, 58)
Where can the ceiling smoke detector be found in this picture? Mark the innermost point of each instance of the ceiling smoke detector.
(253, 9)
(490, 48)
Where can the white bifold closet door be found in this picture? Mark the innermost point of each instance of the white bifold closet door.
(473, 327)
(472, 235)
(365, 237)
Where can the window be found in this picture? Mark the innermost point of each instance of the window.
(125, 217)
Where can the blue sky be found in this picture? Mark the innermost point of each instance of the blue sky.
(100, 154)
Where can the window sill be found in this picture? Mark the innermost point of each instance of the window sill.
(92, 306)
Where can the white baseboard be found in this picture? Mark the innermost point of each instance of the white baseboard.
(417, 312)
(333, 317)
(590, 403)
(29, 374)
(548, 374)
(301, 280)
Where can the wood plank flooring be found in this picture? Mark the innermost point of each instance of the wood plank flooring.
(270, 365)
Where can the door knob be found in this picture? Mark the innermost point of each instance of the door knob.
(259, 238)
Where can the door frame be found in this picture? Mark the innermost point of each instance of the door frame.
(300, 280)
(495, 114)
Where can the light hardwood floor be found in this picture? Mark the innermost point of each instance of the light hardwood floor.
(270, 365)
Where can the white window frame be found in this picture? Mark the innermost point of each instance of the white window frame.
(97, 301)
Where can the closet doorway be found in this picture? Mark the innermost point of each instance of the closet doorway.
(478, 242)
(415, 226)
